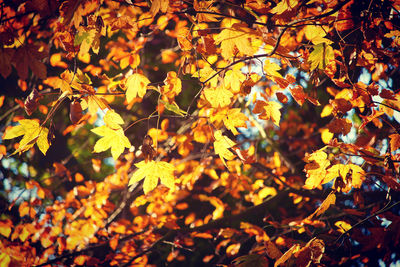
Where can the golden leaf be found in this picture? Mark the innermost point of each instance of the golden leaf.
(268, 110)
(136, 85)
(152, 170)
(111, 138)
(218, 97)
(32, 133)
(222, 145)
(238, 36)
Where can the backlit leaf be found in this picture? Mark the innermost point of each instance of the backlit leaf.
(136, 85)
(321, 56)
(114, 139)
(221, 146)
(218, 97)
(32, 133)
(151, 171)
(269, 110)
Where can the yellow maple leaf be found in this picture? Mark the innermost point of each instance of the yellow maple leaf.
(32, 133)
(173, 85)
(205, 6)
(218, 97)
(152, 170)
(344, 171)
(93, 103)
(234, 79)
(316, 168)
(321, 56)
(271, 68)
(284, 5)
(113, 120)
(111, 138)
(238, 36)
(268, 110)
(316, 34)
(87, 39)
(205, 73)
(136, 85)
(221, 146)
(159, 5)
(234, 118)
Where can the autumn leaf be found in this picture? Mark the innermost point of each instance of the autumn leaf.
(87, 39)
(330, 200)
(159, 5)
(136, 85)
(29, 56)
(394, 141)
(234, 118)
(218, 97)
(113, 120)
(205, 6)
(284, 5)
(271, 68)
(350, 175)
(340, 125)
(269, 110)
(221, 146)
(151, 171)
(238, 36)
(321, 56)
(316, 34)
(32, 133)
(114, 139)
(93, 103)
(233, 79)
(316, 168)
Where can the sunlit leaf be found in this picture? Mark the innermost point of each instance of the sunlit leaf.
(32, 133)
(151, 171)
(114, 139)
(136, 85)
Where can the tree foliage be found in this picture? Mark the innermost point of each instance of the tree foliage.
(247, 133)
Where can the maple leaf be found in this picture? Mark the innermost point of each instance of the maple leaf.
(159, 5)
(29, 55)
(113, 120)
(345, 171)
(93, 103)
(394, 141)
(87, 39)
(151, 171)
(316, 34)
(321, 56)
(136, 85)
(316, 168)
(222, 145)
(234, 118)
(172, 87)
(32, 133)
(205, 6)
(111, 138)
(283, 6)
(205, 73)
(268, 110)
(271, 68)
(218, 97)
(234, 79)
(238, 36)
